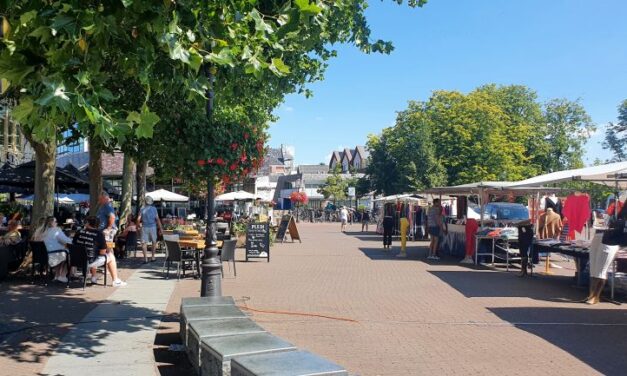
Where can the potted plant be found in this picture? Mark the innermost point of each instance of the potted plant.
(239, 229)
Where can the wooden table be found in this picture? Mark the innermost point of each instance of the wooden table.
(198, 244)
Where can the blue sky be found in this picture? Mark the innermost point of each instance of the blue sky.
(560, 48)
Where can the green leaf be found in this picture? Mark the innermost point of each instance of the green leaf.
(307, 8)
(27, 17)
(224, 57)
(127, 3)
(82, 77)
(178, 52)
(280, 65)
(195, 60)
(13, 67)
(23, 110)
(147, 123)
(134, 117)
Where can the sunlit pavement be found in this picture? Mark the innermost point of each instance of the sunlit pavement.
(390, 316)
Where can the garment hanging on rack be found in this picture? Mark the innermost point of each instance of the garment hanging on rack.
(577, 210)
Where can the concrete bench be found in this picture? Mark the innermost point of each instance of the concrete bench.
(216, 352)
(207, 301)
(196, 313)
(290, 363)
(215, 328)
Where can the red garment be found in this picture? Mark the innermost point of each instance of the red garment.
(577, 210)
(610, 209)
(471, 230)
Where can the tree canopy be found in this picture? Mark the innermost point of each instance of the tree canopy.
(616, 135)
(492, 133)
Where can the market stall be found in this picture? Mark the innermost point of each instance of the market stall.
(410, 206)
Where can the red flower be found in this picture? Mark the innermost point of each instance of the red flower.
(220, 161)
(201, 162)
(232, 167)
(210, 160)
(246, 135)
(243, 157)
(234, 146)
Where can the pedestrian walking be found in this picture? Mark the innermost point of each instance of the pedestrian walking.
(343, 218)
(150, 223)
(365, 219)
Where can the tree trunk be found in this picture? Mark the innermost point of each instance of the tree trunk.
(142, 167)
(95, 174)
(43, 203)
(45, 168)
(127, 188)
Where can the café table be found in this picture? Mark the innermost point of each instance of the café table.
(196, 245)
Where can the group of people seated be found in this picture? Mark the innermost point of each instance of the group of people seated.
(90, 236)
(94, 234)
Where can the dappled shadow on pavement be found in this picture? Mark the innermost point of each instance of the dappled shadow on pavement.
(37, 320)
(594, 336)
(485, 283)
(170, 363)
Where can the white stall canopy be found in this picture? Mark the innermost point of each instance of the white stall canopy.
(612, 175)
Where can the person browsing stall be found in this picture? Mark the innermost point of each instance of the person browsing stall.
(151, 225)
(92, 238)
(435, 228)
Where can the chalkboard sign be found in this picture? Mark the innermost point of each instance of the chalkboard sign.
(287, 223)
(258, 240)
(280, 234)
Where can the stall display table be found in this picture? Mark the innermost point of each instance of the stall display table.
(454, 241)
(500, 243)
(581, 254)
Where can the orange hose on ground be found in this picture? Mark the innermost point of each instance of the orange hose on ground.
(298, 314)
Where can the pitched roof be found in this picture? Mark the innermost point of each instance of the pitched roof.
(274, 157)
(348, 153)
(362, 151)
(313, 169)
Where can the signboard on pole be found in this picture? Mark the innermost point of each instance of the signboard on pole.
(351, 191)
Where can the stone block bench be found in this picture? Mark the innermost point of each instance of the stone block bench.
(221, 340)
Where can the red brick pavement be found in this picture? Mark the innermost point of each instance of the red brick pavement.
(416, 317)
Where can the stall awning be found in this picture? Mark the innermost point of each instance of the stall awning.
(608, 174)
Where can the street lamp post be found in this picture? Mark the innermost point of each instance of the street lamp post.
(211, 264)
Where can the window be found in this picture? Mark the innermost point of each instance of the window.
(74, 147)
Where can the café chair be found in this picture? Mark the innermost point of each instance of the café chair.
(78, 259)
(228, 254)
(40, 257)
(174, 253)
(130, 244)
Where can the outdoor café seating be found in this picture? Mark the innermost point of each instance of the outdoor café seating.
(181, 257)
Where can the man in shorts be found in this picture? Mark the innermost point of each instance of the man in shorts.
(434, 228)
(92, 238)
(149, 222)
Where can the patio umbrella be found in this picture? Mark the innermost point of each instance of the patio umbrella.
(167, 196)
(235, 196)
